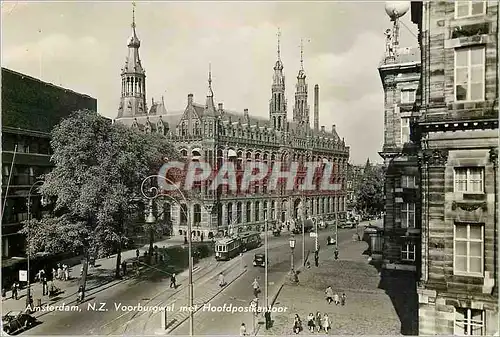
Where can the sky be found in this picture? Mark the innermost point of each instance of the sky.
(82, 46)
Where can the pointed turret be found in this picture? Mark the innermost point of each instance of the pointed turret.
(210, 106)
(301, 109)
(133, 93)
(277, 104)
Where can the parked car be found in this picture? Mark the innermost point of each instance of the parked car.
(260, 260)
(17, 321)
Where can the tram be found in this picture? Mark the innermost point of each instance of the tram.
(227, 248)
(250, 241)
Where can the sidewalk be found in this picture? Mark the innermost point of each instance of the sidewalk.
(368, 309)
(99, 278)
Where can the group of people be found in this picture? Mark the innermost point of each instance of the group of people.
(316, 322)
(335, 298)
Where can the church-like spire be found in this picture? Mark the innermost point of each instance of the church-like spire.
(301, 109)
(279, 64)
(210, 106)
(277, 104)
(301, 55)
(210, 92)
(133, 93)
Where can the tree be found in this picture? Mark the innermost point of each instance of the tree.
(370, 193)
(99, 167)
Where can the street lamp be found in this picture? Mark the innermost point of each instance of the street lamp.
(28, 290)
(292, 247)
(156, 193)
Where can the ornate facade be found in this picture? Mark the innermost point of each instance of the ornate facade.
(456, 129)
(215, 134)
(400, 75)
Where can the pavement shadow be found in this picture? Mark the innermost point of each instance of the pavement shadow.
(401, 287)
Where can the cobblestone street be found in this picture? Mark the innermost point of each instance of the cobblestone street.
(368, 309)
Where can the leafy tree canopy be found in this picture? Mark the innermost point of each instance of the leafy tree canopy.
(370, 193)
(99, 167)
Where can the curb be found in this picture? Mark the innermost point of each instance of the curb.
(177, 324)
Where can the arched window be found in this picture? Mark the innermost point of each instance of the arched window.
(257, 211)
(249, 211)
(266, 216)
(230, 213)
(183, 215)
(273, 210)
(197, 214)
(238, 212)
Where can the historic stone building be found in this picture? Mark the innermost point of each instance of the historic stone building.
(456, 129)
(215, 134)
(400, 75)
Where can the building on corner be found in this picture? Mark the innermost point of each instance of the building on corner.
(456, 129)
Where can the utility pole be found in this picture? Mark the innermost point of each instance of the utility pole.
(316, 238)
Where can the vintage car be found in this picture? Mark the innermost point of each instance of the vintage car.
(17, 321)
(260, 260)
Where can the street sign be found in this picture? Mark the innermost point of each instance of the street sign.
(313, 235)
(23, 275)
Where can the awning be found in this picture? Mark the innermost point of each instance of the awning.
(231, 153)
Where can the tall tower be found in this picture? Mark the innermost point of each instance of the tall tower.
(301, 109)
(277, 104)
(316, 107)
(133, 93)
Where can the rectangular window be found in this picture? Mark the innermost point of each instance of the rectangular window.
(405, 130)
(408, 252)
(469, 74)
(469, 322)
(469, 179)
(468, 249)
(464, 9)
(408, 182)
(408, 215)
(408, 96)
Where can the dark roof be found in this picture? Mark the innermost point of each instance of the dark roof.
(31, 104)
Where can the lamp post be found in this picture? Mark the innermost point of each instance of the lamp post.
(28, 290)
(156, 193)
(266, 262)
(292, 247)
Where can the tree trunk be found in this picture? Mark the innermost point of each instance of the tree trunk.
(85, 265)
(151, 240)
(118, 262)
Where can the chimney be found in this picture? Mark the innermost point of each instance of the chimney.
(322, 128)
(316, 107)
(190, 99)
(152, 101)
(221, 106)
(333, 128)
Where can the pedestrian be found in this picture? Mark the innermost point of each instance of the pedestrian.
(318, 321)
(66, 272)
(316, 258)
(326, 323)
(329, 294)
(222, 282)
(297, 324)
(54, 274)
(308, 265)
(45, 290)
(172, 282)
(60, 273)
(124, 268)
(4, 293)
(336, 254)
(310, 322)
(336, 299)
(256, 286)
(342, 299)
(14, 290)
(202, 237)
(243, 330)
(137, 253)
(81, 293)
